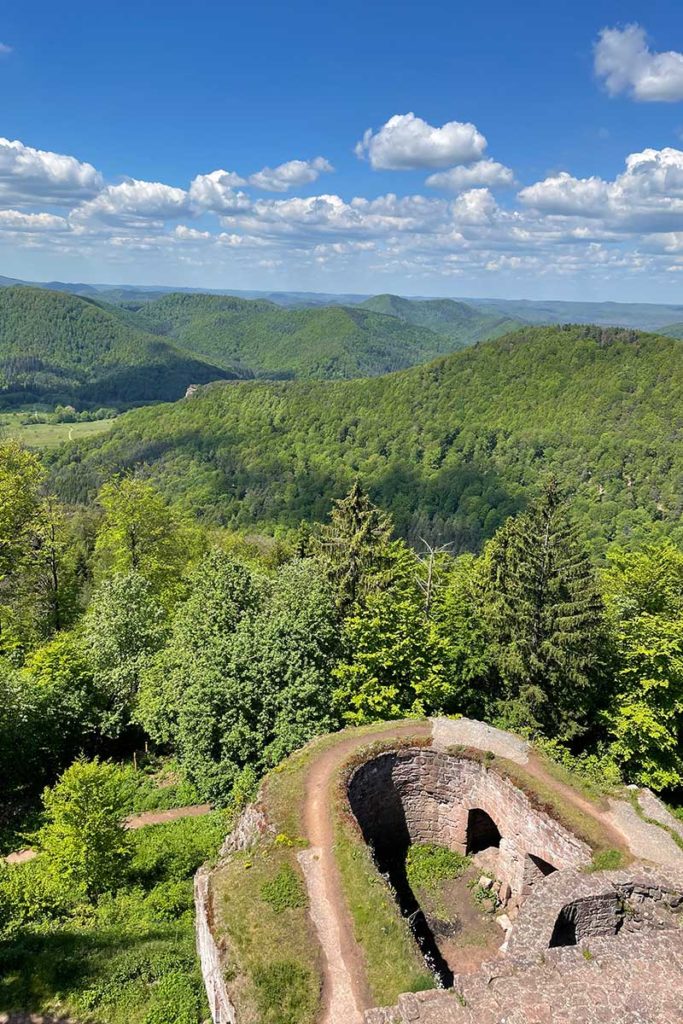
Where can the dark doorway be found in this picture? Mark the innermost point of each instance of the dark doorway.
(564, 932)
(543, 865)
(482, 831)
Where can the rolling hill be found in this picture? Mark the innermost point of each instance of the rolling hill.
(259, 338)
(58, 347)
(672, 331)
(451, 448)
(462, 324)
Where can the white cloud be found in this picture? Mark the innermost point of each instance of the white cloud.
(134, 204)
(625, 62)
(474, 207)
(5, 49)
(185, 234)
(28, 175)
(563, 195)
(647, 196)
(406, 142)
(292, 174)
(16, 220)
(216, 191)
(487, 173)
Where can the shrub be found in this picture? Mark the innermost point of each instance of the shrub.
(285, 891)
(427, 864)
(283, 992)
(175, 1000)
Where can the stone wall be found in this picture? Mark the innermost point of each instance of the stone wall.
(247, 829)
(423, 795)
(599, 904)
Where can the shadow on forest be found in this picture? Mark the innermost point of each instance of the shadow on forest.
(34, 966)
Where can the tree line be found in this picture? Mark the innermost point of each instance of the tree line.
(127, 624)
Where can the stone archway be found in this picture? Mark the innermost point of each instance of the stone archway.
(482, 831)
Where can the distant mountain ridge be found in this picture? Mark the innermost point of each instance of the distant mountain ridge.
(461, 323)
(256, 337)
(451, 448)
(59, 347)
(646, 316)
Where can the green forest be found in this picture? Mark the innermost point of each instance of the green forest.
(137, 645)
(191, 596)
(258, 338)
(451, 449)
(461, 323)
(59, 348)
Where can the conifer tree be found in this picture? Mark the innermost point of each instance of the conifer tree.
(545, 618)
(354, 546)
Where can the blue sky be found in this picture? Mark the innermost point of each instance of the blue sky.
(543, 158)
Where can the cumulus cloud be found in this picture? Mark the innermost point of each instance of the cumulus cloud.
(406, 142)
(626, 64)
(562, 194)
(216, 191)
(292, 174)
(16, 220)
(487, 173)
(28, 175)
(647, 196)
(134, 204)
(475, 207)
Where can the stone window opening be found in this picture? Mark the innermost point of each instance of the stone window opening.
(482, 831)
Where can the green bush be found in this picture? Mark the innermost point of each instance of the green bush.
(174, 851)
(286, 890)
(427, 864)
(175, 1000)
(283, 992)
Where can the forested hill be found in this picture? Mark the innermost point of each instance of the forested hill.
(450, 448)
(462, 324)
(57, 347)
(262, 339)
(672, 331)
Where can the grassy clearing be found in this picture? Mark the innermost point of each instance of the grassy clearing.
(427, 865)
(261, 906)
(49, 435)
(130, 959)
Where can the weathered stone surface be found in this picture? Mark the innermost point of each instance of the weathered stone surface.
(248, 828)
(468, 732)
(635, 980)
(647, 842)
(652, 807)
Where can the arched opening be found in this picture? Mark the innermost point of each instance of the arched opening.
(564, 932)
(482, 831)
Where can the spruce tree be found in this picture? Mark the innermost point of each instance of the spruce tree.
(545, 618)
(354, 546)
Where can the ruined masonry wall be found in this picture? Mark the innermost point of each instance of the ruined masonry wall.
(428, 795)
(249, 826)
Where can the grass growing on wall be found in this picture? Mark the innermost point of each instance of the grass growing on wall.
(273, 969)
(544, 796)
(392, 960)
